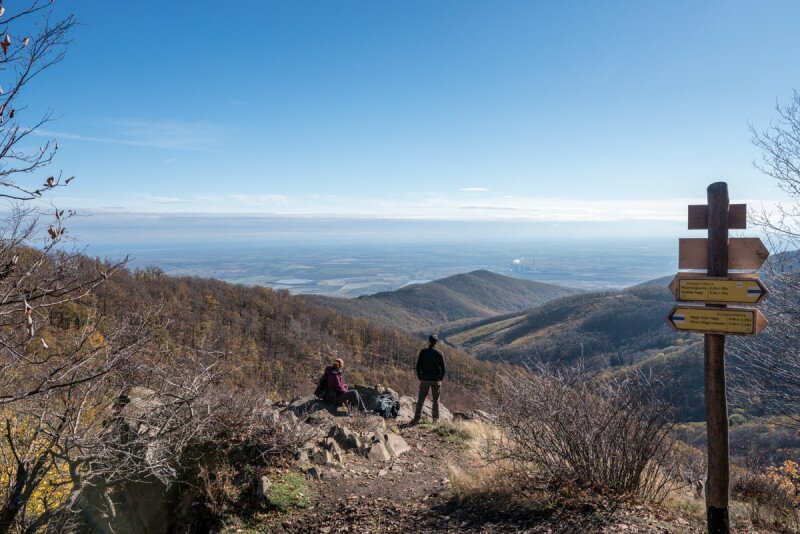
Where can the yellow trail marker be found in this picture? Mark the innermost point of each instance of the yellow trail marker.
(731, 290)
(741, 321)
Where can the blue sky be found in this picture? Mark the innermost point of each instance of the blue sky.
(544, 111)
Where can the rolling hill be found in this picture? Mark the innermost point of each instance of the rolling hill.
(608, 328)
(420, 307)
(608, 331)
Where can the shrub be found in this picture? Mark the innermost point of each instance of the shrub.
(771, 496)
(736, 419)
(606, 433)
(457, 434)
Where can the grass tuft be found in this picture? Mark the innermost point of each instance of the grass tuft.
(289, 493)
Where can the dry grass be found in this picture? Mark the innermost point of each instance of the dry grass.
(484, 479)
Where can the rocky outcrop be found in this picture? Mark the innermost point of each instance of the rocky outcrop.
(310, 406)
(346, 438)
(409, 404)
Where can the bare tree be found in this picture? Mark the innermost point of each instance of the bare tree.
(65, 431)
(766, 373)
(69, 451)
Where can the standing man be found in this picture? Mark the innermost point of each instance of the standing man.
(430, 371)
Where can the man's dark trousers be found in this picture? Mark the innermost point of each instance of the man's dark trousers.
(424, 386)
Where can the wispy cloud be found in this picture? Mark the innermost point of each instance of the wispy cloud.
(493, 208)
(475, 189)
(259, 200)
(166, 200)
(199, 136)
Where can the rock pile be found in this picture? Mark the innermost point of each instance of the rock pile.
(342, 431)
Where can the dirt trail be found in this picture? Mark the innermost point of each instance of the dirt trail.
(411, 494)
(401, 495)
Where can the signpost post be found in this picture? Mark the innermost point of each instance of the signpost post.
(718, 479)
(715, 320)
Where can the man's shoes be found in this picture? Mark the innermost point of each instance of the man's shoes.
(413, 422)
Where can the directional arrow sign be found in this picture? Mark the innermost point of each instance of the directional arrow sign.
(731, 290)
(744, 253)
(741, 321)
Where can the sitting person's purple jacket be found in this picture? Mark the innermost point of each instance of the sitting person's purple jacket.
(335, 380)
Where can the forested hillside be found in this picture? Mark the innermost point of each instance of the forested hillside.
(616, 331)
(608, 328)
(419, 307)
(280, 341)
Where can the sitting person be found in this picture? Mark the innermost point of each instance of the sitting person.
(339, 389)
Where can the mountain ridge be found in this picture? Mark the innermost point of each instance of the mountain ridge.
(420, 307)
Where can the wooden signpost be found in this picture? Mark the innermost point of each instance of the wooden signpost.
(716, 255)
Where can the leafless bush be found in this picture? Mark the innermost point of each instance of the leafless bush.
(249, 423)
(218, 487)
(607, 433)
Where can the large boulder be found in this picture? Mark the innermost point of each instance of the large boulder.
(409, 404)
(303, 407)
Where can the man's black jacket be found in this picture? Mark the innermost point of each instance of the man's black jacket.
(430, 365)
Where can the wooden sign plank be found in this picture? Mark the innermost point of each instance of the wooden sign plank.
(698, 216)
(743, 289)
(744, 253)
(705, 320)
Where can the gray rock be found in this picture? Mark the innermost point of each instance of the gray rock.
(319, 417)
(378, 453)
(324, 457)
(375, 423)
(345, 437)
(372, 437)
(396, 445)
(409, 404)
(332, 446)
(314, 472)
(263, 486)
(302, 456)
(289, 417)
(304, 406)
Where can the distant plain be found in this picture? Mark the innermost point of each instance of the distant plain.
(349, 270)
